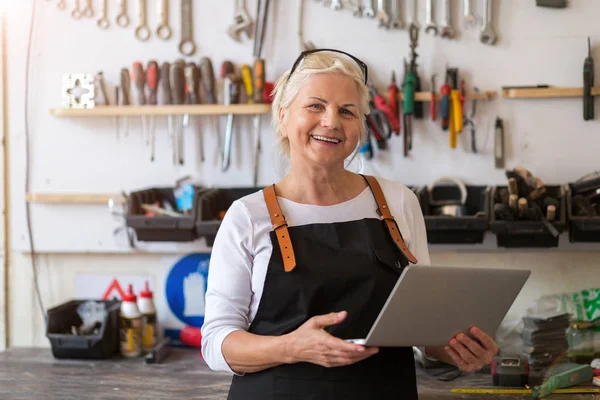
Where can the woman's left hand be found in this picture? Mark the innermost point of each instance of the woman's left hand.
(472, 355)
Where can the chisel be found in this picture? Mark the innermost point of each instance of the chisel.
(152, 72)
(178, 91)
(207, 80)
(140, 82)
(125, 89)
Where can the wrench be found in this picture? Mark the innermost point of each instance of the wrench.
(397, 22)
(142, 32)
(382, 15)
(77, 11)
(358, 9)
(187, 46)
(241, 22)
(412, 14)
(123, 18)
(61, 5)
(447, 30)
(337, 5)
(231, 96)
(163, 30)
(469, 17)
(488, 36)
(431, 26)
(88, 10)
(103, 22)
(368, 9)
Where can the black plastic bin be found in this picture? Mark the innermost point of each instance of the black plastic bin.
(468, 229)
(211, 206)
(66, 345)
(582, 229)
(160, 228)
(528, 233)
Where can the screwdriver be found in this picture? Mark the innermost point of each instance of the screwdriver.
(393, 95)
(191, 85)
(178, 93)
(153, 76)
(247, 79)
(230, 96)
(140, 81)
(445, 92)
(588, 83)
(125, 89)
(207, 77)
(167, 99)
(433, 98)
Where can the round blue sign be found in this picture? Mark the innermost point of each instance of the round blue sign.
(185, 288)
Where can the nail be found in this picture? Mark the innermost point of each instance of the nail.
(453, 342)
(475, 330)
(340, 315)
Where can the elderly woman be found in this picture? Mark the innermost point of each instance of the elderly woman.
(308, 262)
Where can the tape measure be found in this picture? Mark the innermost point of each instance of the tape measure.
(521, 391)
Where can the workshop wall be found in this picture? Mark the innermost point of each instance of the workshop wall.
(84, 155)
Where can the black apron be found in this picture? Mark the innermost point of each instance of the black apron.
(350, 266)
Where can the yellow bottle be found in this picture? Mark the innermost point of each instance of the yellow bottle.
(148, 311)
(131, 325)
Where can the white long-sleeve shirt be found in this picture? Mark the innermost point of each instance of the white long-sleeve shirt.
(242, 249)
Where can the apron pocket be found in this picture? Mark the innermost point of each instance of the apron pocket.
(390, 259)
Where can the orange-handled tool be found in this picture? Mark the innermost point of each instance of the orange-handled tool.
(259, 80)
(393, 95)
(153, 76)
(452, 129)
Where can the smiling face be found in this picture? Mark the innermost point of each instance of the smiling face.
(323, 122)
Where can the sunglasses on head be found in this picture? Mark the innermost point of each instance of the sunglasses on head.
(361, 64)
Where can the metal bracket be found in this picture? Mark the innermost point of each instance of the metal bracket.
(78, 91)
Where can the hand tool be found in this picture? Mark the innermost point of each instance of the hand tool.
(469, 17)
(192, 78)
(139, 79)
(470, 121)
(160, 352)
(231, 96)
(103, 22)
(99, 81)
(153, 76)
(125, 89)
(163, 30)
(262, 14)
(207, 86)
(367, 148)
(382, 15)
(88, 9)
(241, 22)
(369, 9)
(167, 99)
(258, 91)
(117, 89)
(462, 99)
(247, 79)
(430, 25)
(397, 22)
(445, 92)
(142, 32)
(393, 96)
(446, 29)
(433, 98)
(488, 36)
(61, 5)
(412, 14)
(178, 93)
(336, 5)
(455, 104)
(358, 9)
(76, 13)
(562, 376)
(123, 17)
(384, 107)
(499, 144)
(304, 45)
(187, 46)
(588, 83)
(408, 106)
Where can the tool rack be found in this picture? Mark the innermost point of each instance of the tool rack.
(203, 109)
(546, 93)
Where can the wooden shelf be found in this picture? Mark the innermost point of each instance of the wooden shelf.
(65, 198)
(544, 93)
(426, 96)
(203, 109)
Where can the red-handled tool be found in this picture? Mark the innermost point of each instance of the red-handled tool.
(433, 99)
(445, 92)
(139, 78)
(392, 117)
(393, 95)
(152, 72)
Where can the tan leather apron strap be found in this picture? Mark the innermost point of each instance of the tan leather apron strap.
(280, 227)
(386, 216)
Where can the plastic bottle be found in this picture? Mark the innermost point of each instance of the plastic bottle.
(131, 325)
(146, 306)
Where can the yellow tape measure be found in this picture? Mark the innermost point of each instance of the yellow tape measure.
(522, 391)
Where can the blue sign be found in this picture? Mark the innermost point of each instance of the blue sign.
(185, 288)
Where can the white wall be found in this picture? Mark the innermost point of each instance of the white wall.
(3, 235)
(82, 155)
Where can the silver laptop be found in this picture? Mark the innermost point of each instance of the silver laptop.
(430, 305)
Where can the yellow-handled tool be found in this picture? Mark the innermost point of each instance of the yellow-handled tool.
(456, 108)
(248, 84)
(452, 128)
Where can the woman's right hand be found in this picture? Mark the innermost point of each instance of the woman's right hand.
(311, 343)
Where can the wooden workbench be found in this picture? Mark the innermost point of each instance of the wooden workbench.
(34, 374)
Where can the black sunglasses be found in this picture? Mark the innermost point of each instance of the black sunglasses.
(361, 64)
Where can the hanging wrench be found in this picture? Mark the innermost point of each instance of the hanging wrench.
(368, 10)
(447, 30)
(382, 15)
(358, 9)
(88, 9)
(397, 22)
(430, 25)
(469, 17)
(163, 30)
(77, 10)
(61, 5)
(123, 18)
(488, 36)
(412, 14)
(103, 22)
(187, 46)
(337, 5)
(241, 22)
(142, 32)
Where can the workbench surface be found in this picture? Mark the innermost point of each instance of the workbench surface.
(27, 373)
